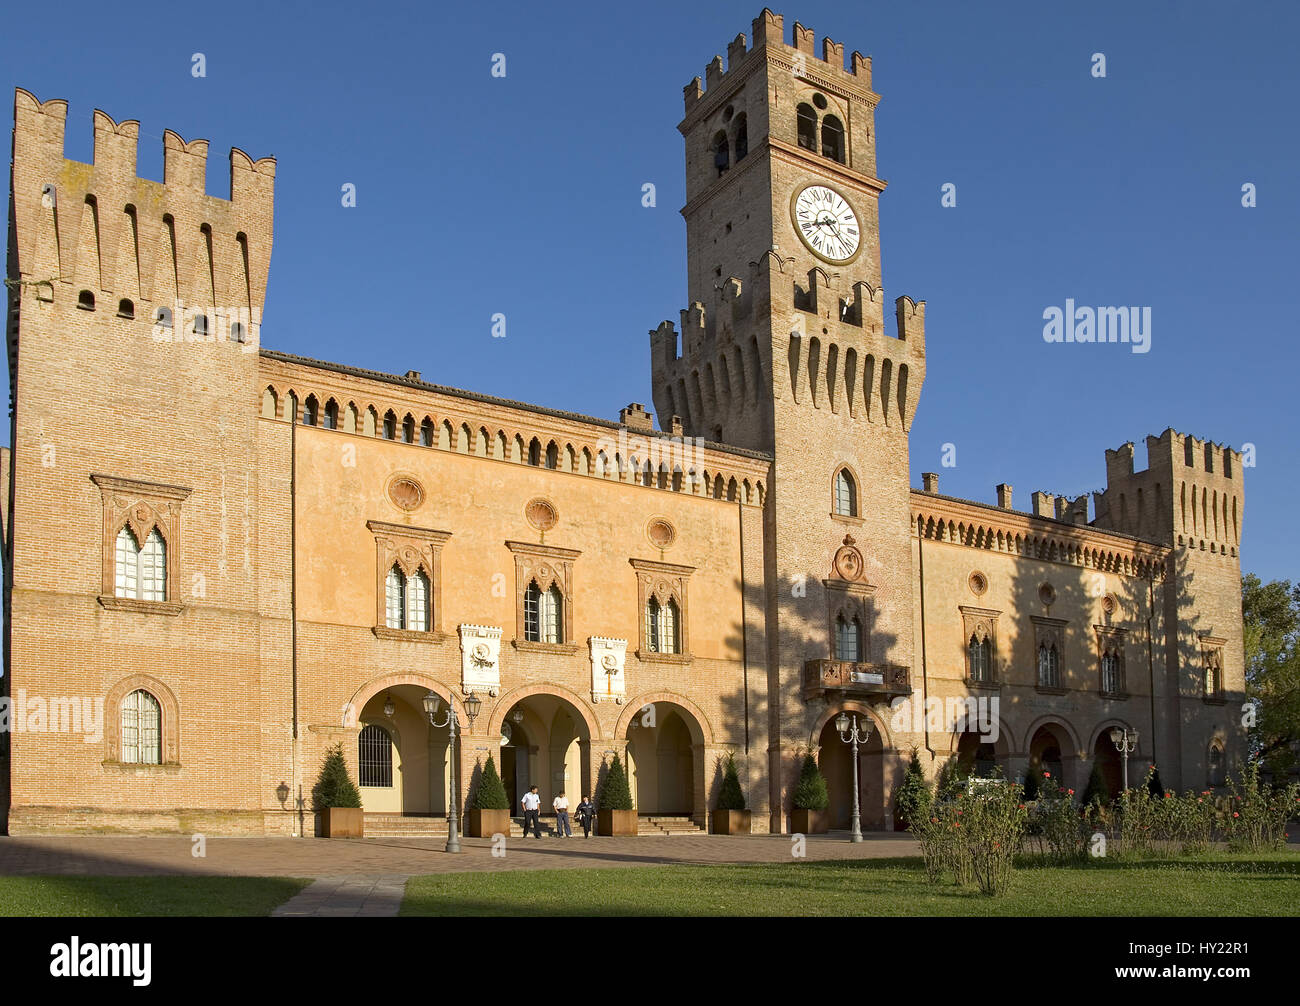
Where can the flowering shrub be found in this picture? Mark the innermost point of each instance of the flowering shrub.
(1257, 812)
(1055, 820)
(994, 827)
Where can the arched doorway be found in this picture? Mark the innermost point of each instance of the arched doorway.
(976, 756)
(418, 779)
(549, 745)
(835, 759)
(1045, 749)
(1105, 754)
(665, 752)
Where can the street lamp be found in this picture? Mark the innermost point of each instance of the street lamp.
(855, 736)
(1125, 740)
(472, 705)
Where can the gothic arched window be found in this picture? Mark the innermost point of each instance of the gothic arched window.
(721, 152)
(979, 654)
(542, 614)
(140, 571)
(848, 639)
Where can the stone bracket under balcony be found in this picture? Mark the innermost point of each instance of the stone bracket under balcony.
(847, 678)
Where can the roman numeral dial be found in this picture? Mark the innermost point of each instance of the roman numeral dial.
(826, 223)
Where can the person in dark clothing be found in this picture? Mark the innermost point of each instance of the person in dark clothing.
(586, 814)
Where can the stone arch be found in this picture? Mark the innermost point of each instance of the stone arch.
(701, 731)
(507, 702)
(879, 726)
(365, 692)
(1059, 723)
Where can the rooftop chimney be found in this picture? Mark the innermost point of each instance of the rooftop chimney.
(1044, 504)
(930, 481)
(635, 417)
(1004, 496)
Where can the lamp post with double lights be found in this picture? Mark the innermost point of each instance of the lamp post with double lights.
(1125, 740)
(472, 705)
(854, 735)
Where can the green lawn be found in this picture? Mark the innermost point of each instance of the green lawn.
(127, 896)
(1264, 884)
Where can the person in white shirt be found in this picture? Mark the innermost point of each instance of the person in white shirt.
(561, 807)
(532, 804)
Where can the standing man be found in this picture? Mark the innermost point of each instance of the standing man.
(532, 804)
(586, 816)
(561, 807)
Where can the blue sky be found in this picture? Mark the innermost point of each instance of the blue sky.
(521, 195)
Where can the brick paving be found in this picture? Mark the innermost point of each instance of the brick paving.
(375, 858)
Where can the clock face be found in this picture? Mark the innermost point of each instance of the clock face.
(827, 223)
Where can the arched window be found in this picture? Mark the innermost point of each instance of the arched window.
(375, 756)
(1215, 774)
(806, 121)
(661, 626)
(1213, 675)
(390, 425)
(1049, 666)
(535, 453)
(846, 494)
(417, 602)
(741, 133)
(395, 599)
(552, 456)
(162, 318)
(141, 729)
(979, 653)
(310, 411)
(721, 152)
(1112, 680)
(832, 139)
(140, 572)
(86, 300)
(542, 609)
(201, 324)
(237, 332)
(408, 429)
(426, 432)
(126, 309)
(331, 415)
(848, 639)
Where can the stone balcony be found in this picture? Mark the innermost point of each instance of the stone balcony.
(850, 679)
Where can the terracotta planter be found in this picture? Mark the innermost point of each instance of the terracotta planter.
(808, 822)
(731, 822)
(342, 822)
(616, 822)
(486, 823)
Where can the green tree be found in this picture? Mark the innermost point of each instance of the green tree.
(1096, 791)
(491, 793)
(334, 788)
(615, 794)
(810, 793)
(731, 797)
(1270, 615)
(913, 799)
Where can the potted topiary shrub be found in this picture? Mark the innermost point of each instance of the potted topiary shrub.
(614, 813)
(913, 799)
(336, 800)
(731, 817)
(810, 800)
(490, 813)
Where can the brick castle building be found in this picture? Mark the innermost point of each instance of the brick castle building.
(241, 557)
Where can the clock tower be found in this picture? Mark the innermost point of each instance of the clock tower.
(783, 349)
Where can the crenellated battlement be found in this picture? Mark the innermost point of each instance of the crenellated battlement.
(768, 30)
(100, 229)
(1190, 493)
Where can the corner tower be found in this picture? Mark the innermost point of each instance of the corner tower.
(783, 345)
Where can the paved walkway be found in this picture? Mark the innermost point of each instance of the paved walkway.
(336, 897)
(344, 860)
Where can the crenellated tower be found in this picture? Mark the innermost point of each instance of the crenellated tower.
(783, 347)
(1190, 497)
